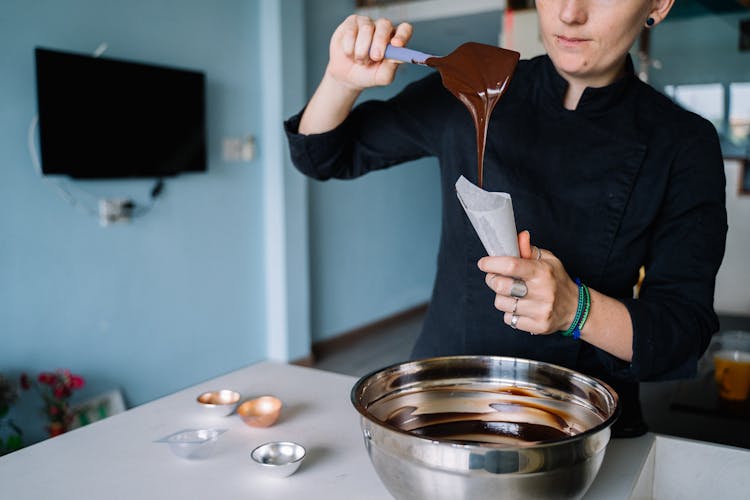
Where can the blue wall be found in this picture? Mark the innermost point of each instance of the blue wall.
(374, 240)
(176, 296)
(699, 50)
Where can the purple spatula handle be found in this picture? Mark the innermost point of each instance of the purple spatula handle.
(406, 55)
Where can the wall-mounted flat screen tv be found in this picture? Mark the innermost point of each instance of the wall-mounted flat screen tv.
(108, 118)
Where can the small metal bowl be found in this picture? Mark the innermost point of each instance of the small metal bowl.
(260, 412)
(193, 443)
(219, 403)
(279, 458)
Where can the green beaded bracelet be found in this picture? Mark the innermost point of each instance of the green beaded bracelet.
(579, 310)
(582, 311)
(585, 315)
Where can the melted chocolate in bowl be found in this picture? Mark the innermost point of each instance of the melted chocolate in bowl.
(506, 416)
(465, 427)
(478, 76)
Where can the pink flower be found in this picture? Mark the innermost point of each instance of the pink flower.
(61, 391)
(55, 388)
(25, 382)
(76, 381)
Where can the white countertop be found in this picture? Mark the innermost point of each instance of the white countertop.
(117, 459)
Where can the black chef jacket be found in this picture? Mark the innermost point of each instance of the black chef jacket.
(626, 179)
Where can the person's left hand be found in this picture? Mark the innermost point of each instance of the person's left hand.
(551, 298)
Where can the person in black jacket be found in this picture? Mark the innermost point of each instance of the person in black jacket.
(606, 175)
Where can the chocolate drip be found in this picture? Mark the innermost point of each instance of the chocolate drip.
(478, 76)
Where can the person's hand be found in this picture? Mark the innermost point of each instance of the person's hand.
(551, 298)
(357, 49)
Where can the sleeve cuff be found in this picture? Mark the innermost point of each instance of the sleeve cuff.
(645, 363)
(315, 154)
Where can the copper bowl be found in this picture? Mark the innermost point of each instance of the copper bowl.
(219, 403)
(260, 412)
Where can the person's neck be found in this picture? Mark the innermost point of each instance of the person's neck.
(577, 86)
(573, 95)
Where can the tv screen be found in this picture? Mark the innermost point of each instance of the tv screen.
(106, 118)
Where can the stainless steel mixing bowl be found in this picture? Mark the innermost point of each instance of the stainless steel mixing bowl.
(468, 427)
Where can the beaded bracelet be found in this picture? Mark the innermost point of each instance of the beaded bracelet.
(585, 315)
(582, 311)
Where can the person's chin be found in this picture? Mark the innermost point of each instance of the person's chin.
(571, 65)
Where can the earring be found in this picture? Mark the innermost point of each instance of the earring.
(650, 22)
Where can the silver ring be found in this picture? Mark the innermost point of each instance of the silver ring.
(514, 321)
(518, 289)
(515, 305)
(538, 255)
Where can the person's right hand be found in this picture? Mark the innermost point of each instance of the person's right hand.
(357, 49)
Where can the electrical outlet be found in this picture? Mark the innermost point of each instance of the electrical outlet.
(247, 152)
(115, 210)
(237, 149)
(231, 149)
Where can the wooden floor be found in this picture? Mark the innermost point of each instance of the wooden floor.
(389, 345)
(392, 344)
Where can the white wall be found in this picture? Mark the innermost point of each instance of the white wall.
(733, 281)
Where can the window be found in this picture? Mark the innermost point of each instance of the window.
(727, 106)
(739, 114)
(705, 99)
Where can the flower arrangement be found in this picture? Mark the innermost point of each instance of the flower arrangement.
(55, 389)
(10, 440)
